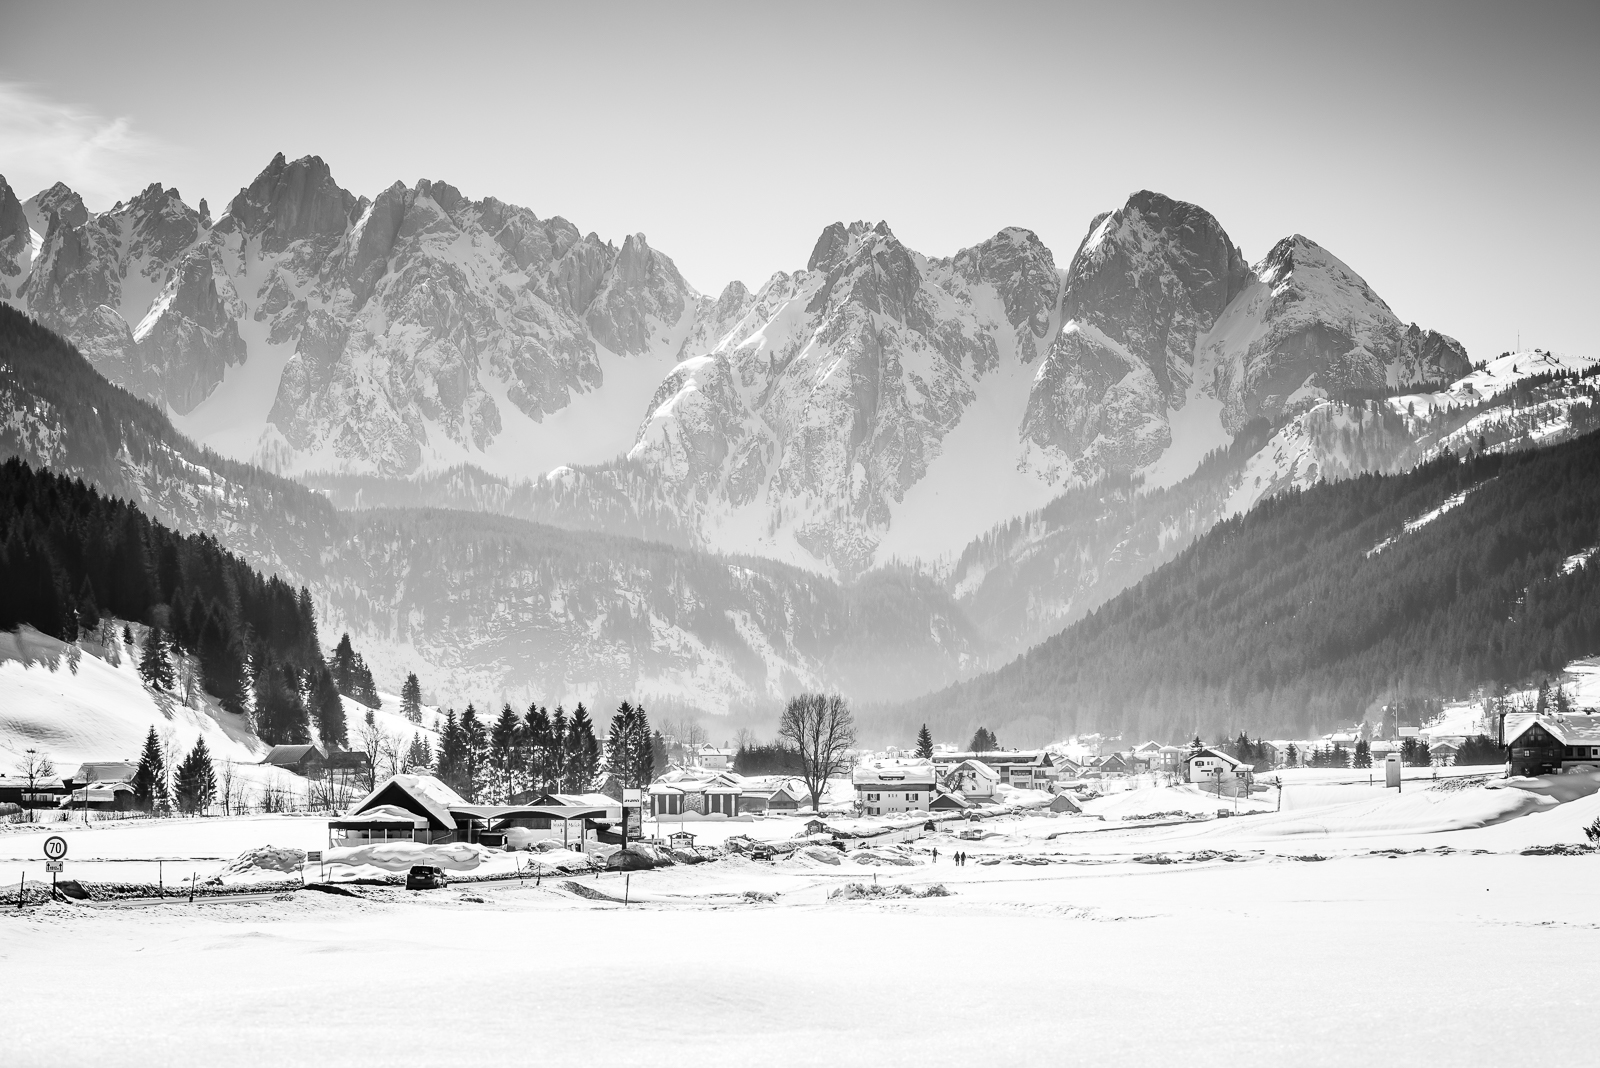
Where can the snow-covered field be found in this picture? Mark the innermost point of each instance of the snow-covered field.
(1355, 925)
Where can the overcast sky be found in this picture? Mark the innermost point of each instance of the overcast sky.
(1449, 152)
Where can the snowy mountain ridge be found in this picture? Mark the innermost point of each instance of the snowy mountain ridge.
(878, 404)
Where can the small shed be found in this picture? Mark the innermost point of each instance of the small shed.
(1064, 803)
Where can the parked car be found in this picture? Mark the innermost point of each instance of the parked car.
(425, 877)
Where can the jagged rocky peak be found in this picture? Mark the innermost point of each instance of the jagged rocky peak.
(641, 288)
(1148, 280)
(58, 200)
(1309, 325)
(1023, 272)
(16, 244)
(290, 201)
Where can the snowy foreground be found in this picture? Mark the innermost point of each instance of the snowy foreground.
(1356, 926)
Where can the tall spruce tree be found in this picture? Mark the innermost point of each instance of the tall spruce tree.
(155, 666)
(557, 751)
(536, 729)
(327, 711)
(629, 753)
(475, 742)
(583, 752)
(411, 698)
(196, 780)
(505, 752)
(925, 743)
(150, 778)
(451, 759)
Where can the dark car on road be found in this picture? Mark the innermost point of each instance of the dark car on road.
(425, 877)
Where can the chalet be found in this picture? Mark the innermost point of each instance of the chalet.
(544, 817)
(1064, 803)
(710, 756)
(1113, 765)
(42, 793)
(310, 761)
(884, 787)
(946, 800)
(1029, 769)
(974, 780)
(421, 802)
(1552, 744)
(103, 771)
(1146, 757)
(1206, 766)
(1442, 753)
(771, 793)
(101, 797)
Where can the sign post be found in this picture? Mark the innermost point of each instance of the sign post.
(1391, 772)
(55, 850)
(634, 796)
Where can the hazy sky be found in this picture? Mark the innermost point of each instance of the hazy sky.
(1449, 152)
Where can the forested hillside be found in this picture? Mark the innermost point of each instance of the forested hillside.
(1318, 603)
(73, 561)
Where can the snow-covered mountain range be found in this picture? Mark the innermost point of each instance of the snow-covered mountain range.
(875, 404)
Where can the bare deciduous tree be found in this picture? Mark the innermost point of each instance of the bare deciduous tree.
(371, 741)
(226, 780)
(823, 729)
(35, 769)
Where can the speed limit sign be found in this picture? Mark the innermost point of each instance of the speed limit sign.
(55, 847)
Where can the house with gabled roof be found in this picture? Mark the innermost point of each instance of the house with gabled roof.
(311, 761)
(1209, 766)
(1552, 744)
(974, 780)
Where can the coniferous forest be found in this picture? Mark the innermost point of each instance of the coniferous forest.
(1317, 604)
(70, 557)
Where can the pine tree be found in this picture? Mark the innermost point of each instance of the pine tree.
(582, 751)
(983, 741)
(150, 779)
(411, 698)
(557, 752)
(475, 753)
(536, 729)
(419, 755)
(925, 743)
(196, 780)
(154, 666)
(658, 755)
(451, 759)
(327, 712)
(630, 754)
(1363, 757)
(505, 752)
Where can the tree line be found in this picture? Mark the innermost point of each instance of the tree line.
(539, 751)
(71, 560)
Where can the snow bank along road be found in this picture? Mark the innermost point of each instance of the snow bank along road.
(1405, 947)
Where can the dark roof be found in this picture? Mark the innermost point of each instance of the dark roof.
(284, 756)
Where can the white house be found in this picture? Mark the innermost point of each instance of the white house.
(884, 787)
(1028, 769)
(710, 756)
(973, 780)
(1206, 766)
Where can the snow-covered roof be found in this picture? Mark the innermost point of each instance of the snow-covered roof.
(975, 767)
(430, 796)
(1208, 751)
(106, 771)
(1575, 729)
(894, 773)
(382, 814)
(1001, 756)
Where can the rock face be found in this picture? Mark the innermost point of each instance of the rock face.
(819, 418)
(1148, 279)
(830, 396)
(413, 328)
(1307, 326)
